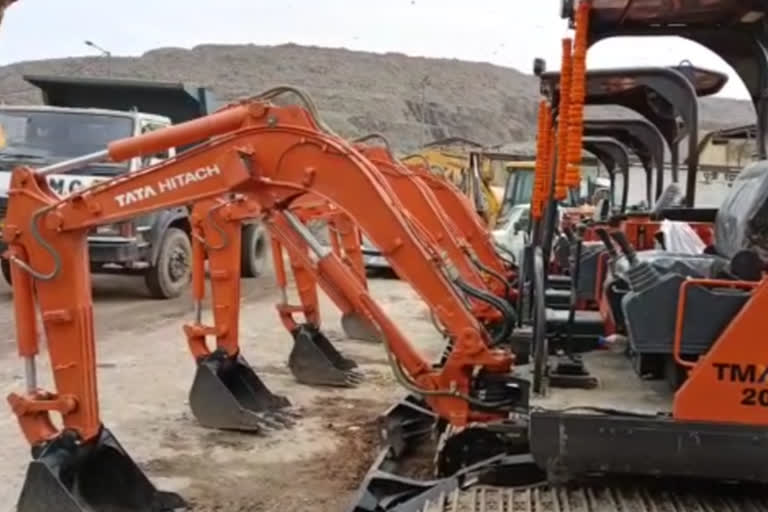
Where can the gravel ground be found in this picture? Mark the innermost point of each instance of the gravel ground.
(145, 371)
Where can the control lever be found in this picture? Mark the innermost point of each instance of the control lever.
(641, 275)
(568, 232)
(602, 233)
(621, 238)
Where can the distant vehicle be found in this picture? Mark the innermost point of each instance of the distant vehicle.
(156, 246)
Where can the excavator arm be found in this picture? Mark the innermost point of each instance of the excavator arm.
(463, 216)
(422, 205)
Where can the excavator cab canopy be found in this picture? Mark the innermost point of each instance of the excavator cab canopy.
(661, 95)
(640, 15)
(641, 137)
(615, 158)
(736, 30)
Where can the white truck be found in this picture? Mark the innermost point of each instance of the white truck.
(155, 246)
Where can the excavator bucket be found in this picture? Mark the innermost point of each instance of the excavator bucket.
(315, 361)
(358, 327)
(98, 476)
(227, 394)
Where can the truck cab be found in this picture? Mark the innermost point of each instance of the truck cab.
(82, 116)
(43, 135)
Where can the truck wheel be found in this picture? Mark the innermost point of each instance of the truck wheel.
(6, 267)
(172, 272)
(253, 260)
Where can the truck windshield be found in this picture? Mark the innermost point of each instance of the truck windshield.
(54, 136)
(517, 191)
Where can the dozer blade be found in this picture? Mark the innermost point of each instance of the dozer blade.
(315, 361)
(227, 394)
(358, 327)
(98, 476)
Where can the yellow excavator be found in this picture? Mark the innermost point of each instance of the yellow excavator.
(480, 173)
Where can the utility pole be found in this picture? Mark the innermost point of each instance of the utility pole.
(105, 53)
(425, 134)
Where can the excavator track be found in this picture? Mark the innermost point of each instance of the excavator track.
(545, 498)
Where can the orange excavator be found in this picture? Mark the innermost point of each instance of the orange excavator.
(313, 359)
(274, 156)
(420, 194)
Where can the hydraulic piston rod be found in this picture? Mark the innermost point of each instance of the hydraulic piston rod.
(74, 163)
(307, 235)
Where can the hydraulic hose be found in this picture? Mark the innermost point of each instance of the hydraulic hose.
(508, 314)
(377, 136)
(44, 244)
(404, 380)
(503, 251)
(305, 99)
(215, 225)
(442, 330)
(479, 264)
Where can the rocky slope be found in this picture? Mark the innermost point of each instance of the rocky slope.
(412, 100)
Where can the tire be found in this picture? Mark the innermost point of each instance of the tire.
(253, 260)
(172, 271)
(6, 268)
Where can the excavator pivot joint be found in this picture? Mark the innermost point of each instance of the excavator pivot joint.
(41, 401)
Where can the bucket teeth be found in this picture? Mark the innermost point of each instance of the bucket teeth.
(227, 394)
(95, 476)
(354, 378)
(315, 361)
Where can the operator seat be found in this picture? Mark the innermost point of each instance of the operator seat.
(654, 277)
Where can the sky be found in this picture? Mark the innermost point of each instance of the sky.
(504, 32)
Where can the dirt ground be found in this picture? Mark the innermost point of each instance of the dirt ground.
(145, 372)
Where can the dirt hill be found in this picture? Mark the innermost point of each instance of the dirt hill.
(410, 99)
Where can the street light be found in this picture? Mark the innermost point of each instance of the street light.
(105, 53)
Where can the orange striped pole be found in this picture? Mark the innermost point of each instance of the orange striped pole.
(540, 190)
(561, 188)
(577, 97)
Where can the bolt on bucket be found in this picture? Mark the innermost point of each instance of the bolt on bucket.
(227, 394)
(97, 476)
(315, 361)
(358, 327)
